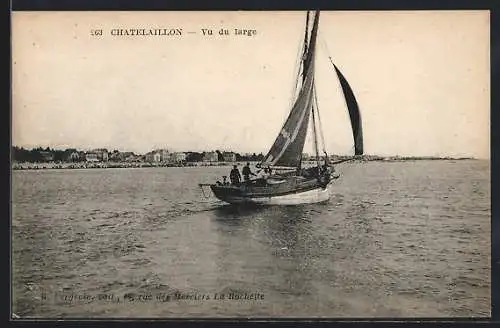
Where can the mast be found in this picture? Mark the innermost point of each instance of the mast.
(315, 134)
(304, 68)
(304, 55)
(304, 63)
(312, 43)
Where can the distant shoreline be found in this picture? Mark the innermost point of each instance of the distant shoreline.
(110, 165)
(107, 165)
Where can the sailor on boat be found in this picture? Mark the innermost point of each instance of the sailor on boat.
(247, 172)
(235, 175)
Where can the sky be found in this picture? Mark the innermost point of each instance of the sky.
(421, 78)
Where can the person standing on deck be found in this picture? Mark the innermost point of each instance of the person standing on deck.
(235, 176)
(247, 172)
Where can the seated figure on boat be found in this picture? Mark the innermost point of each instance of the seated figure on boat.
(224, 181)
(247, 172)
(326, 169)
(310, 172)
(235, 176)
(263, 174)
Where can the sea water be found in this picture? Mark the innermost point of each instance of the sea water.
(396, 239)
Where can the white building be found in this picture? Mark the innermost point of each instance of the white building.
(178, 157)
(229, 156)
(91, 157)
(101, 153)
(211, 157)
(165, 155)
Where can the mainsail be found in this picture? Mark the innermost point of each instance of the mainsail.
(354, 115)
(287, 148)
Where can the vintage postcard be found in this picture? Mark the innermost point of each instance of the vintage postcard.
(284, 164)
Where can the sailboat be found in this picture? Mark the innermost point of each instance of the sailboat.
(290, 182)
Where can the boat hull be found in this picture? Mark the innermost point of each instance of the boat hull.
(287, 191)
(313, 196)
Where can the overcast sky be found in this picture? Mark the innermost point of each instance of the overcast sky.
(421, 79)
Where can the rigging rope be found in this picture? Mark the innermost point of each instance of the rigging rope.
(325, 47)
(314, 133)
(319, 121)
(298, 61)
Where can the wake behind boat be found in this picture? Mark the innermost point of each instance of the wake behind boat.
(286, 181)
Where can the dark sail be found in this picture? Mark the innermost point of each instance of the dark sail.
(355, 116)
(289, 144)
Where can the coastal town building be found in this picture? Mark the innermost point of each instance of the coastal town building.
(229, 156)
(102, 154)
(211, 156)
(165, 156)
(149, 157)
(159, 155)
(178, 157)
(81, 155)
(91, 157)
(128, 156)
(134, 158)
(114, 156)
(97, 155)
